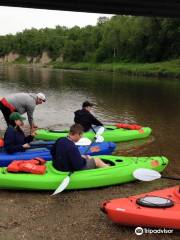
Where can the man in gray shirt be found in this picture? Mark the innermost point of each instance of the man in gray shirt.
(22, 103)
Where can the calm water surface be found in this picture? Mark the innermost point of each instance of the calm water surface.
(147, 101)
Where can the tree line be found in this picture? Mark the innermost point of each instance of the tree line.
(120, 38)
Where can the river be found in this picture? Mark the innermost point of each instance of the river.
(146, 101)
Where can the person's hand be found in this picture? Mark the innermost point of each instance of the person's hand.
(34, 126)
(33, 133)
(85, 156)
(26, 145)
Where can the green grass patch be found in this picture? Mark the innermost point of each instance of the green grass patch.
(160, 69)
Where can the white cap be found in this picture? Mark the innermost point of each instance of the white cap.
(41, 96)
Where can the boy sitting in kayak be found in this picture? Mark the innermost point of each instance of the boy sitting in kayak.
(66, 156)
(14, 138)
(86, 118)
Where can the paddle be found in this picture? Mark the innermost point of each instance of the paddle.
(40, 144)
(146, 175)
(48, 144)
(63, 185)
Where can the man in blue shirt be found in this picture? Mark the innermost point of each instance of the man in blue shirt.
(66, 156)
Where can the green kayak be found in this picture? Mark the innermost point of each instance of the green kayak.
(111, 134)
(120, 171)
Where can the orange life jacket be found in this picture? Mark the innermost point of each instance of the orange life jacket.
(128, 126)
(35, 166)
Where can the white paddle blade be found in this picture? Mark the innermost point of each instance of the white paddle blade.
(83, 142)
(146, 175)
(62, 186)
(99, 139)
(100, 131)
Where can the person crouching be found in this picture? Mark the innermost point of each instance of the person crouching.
(14, 138)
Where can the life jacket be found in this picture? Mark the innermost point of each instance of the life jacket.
(35, 166)
(1, 142)
(8, 105)
(128, 126)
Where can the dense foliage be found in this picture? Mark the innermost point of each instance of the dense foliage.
(127, 38)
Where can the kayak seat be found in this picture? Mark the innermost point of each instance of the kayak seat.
(111, 163)
(155, 202)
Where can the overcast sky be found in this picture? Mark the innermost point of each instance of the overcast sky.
(14, 19)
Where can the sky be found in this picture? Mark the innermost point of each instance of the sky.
(13, 19)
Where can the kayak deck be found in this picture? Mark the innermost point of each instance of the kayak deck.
(126, 211)
(111, 134)
(120, 171)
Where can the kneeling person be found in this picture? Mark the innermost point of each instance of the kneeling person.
(66, 155)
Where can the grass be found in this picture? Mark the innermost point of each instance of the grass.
(159, 69)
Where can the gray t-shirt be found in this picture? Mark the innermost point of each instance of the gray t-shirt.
(24, 103)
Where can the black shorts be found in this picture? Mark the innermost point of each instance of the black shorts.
(90, 164)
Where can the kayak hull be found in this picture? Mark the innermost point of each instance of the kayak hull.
(120, 171)
(111, 134)
(126, 211)
(104, 148)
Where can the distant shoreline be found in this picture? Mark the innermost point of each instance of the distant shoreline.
(165, 69)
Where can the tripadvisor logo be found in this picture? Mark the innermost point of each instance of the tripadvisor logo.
(140, 230)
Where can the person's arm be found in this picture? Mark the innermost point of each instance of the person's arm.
(9, 142)
(75, 158)
(30, 111)
(95, 121)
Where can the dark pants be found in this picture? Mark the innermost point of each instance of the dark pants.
(6, 113)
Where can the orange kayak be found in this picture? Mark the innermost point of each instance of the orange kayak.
(155, 209)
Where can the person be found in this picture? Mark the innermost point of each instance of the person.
(86, 118)
(14, 137)
(22, 103)
(66, 156)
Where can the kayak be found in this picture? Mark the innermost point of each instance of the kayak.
(103, 148)
(6, 158)
(111, 134)
(155, 209)
(120, 171)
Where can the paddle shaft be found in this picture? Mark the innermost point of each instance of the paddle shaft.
(173, 178)
(91, 142)
(89, 146)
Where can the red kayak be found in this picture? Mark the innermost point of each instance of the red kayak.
(155, 209)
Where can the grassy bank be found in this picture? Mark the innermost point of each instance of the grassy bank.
(159, 69)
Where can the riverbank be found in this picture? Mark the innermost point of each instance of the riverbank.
(160, 69)
(165, 69)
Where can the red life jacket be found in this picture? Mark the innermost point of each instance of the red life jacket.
(128, 126)
(1, 142)
(8, 105)
(35, 166)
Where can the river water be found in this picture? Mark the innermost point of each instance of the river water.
(146, 101)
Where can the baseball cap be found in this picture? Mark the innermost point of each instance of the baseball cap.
(41, 96)
(16, 116)
(87, 104)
